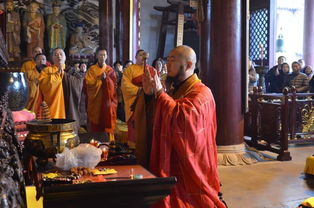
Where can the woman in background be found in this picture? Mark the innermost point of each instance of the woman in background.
(308, 71)
(283, 79)
(118, 67)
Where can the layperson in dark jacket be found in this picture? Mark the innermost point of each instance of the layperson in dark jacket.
(283, 79)
(308, 71)
(271, 83)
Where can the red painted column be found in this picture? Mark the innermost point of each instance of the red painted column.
(136, 27)
(308, 41)
(127, 29)
(225, 70)
(106, 28)
(122, 30)
(222, 59)
(204, 25)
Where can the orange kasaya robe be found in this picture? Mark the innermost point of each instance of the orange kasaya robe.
(130, 85)
(34, 95)
(184, 146)
(28, 65)
(101, 98)
(50, 85)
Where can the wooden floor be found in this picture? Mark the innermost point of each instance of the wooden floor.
(268, 184)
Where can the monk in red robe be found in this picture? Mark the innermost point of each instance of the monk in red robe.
(100, 87)
(131, 89)
(184, 131)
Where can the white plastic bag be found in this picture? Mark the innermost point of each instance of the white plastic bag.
(66, 160)
(84, 155)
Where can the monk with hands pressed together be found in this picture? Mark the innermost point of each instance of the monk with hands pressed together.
(184, 130)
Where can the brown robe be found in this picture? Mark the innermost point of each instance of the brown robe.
(72, 88)
(143, 125)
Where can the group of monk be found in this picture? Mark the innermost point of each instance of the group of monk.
(61, 87)
(172, 124)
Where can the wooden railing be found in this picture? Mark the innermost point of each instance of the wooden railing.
(276, 120)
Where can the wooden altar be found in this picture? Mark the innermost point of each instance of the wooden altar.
(117, 190)
(111, 193)
(276, 120)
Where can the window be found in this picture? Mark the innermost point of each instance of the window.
(289, 29)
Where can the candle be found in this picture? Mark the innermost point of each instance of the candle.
(132, 173)
(104, 153)
(94, 142)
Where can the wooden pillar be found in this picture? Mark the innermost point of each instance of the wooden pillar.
(106, 28)
(123, 29)
(221, 69)
(135, 27)
(127, 28)
(162, 34)
(118, 36)
(205, 42)
(225, 70)
(308, 41)
(125, 8)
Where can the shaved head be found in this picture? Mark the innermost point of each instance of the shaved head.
(187, 53)
(58, 56)
(36, 51)
(181, 63)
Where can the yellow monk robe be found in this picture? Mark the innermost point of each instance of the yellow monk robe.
(131, 83)
(102, 99)
(34, 96)
(28, 65)
(50, 85)
(129, 89)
